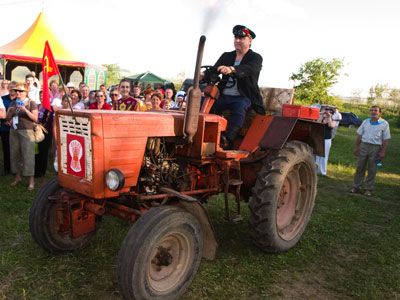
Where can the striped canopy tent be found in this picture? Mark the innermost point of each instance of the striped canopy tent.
(25, 53)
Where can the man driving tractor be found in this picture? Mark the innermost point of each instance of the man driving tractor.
(240, 69)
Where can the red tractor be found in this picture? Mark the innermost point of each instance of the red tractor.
(156, 169)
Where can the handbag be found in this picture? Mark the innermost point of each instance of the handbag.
(39, 132)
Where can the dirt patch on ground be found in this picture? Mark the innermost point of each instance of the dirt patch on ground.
(304, 286)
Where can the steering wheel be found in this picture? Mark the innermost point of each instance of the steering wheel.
(212, 76)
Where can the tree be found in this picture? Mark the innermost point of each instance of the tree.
(113, 74)
(314, 80)
(371, 97)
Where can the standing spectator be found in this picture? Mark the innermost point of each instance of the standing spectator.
(136, 92)
(100, 101)
(54, 90)
(2, 118)
(75, 100)
(322, 162)
(45, 118)
(156, 99)
(92, 97)
(64, 105)
(126, 102)
(166, 105)
(33, 91)
(372, 140)
(36, 81)
(169, 97)
(2, 109)
(337, 117)
(114, 95)
(70, 87)
(56, 102)
(147, 99)
(5, 127)
(85, 96)
(22, 112)
(180, 100)
(4, 88)
(64, 102)
(104, 89)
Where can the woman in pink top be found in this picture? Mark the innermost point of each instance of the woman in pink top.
(54, 93)
(100, 101)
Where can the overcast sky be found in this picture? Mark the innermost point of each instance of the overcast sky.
(162, 36)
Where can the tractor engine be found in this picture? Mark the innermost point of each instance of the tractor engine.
(161, 168)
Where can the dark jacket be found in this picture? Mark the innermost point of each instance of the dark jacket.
(246, 75)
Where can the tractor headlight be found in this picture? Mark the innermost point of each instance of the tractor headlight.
(115, 180)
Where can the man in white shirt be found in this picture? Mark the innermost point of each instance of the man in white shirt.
(372, 140)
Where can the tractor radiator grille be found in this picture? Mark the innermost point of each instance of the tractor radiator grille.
(80, 131)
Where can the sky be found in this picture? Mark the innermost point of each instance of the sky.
(162, 36)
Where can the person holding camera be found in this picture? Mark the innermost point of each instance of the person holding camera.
(326, 118)
(21, 115)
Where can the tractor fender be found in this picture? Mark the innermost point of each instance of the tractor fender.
(192, 205)
(284, 129)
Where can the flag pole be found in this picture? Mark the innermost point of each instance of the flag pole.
(69, 102)
(50, 68)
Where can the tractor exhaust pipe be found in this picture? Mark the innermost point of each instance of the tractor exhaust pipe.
(191, 118)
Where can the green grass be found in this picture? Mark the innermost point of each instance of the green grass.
(349, 250)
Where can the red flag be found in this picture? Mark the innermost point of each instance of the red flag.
(49, 68)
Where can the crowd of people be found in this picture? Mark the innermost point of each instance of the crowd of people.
(21, 109)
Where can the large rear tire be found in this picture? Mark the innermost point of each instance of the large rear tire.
(283, 198)
(160, 255)
(43, 223)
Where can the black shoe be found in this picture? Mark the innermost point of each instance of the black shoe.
(225, 143)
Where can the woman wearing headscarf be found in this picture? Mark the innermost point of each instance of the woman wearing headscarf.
(22, 113)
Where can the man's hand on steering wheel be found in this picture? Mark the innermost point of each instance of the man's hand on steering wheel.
(226, 70)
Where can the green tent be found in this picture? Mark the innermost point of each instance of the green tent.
(147, 79)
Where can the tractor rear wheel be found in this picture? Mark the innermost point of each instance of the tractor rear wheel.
(160, 255)
(43, 223)
(283, 198)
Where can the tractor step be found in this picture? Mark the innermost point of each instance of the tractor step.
(232, 154)
(235, 182)
(234, 219)
(237, 219)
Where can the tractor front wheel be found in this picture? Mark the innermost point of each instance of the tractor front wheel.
(160, 255)
(283, 198)
(43, 223)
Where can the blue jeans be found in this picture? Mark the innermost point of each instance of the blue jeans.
(237, 105)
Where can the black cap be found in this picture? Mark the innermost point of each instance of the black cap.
(242, 31)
